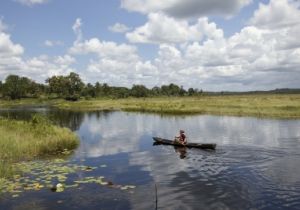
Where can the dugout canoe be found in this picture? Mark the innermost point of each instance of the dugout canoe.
(158, 140)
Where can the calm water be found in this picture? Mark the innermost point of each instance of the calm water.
(256, 164)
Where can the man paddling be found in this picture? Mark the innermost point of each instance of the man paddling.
(181, 139)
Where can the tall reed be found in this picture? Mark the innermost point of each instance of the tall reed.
(21, 140)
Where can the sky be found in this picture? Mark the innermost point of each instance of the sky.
(213, 45)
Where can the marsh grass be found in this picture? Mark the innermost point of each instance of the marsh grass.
(257, 105)
(25, 102)
(261, 105)
(20, 140)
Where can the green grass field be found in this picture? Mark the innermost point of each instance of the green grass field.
(20, 140)
(274, 106)
(259, 105)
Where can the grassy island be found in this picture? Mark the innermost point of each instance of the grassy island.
(256, 105)
(259, 105)
(20, 140)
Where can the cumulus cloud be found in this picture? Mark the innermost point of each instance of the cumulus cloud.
(115, 64)
(42, 67)
(105, 49)
(187, 8)
(164, 29)
(31, 2)
(281, 20)
(277, 14)
(119, 28)
(53, 43)
(262, 55)
(7, 47)
(12, 61)
(38, 68)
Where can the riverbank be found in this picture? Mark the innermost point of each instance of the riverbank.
(20, 140)
(258, 105)
(274, 106)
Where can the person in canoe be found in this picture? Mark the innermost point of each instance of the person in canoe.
(181, 138)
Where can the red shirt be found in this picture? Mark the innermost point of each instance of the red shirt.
(182, 137)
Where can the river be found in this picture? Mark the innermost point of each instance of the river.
(256, 164)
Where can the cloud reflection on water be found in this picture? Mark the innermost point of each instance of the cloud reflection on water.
(248, 152)
(122, 132)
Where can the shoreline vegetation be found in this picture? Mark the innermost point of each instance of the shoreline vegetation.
(70, 92)
(272, 106)
(255, 105)
(22, 141)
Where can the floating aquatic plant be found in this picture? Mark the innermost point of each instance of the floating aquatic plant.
(52, 175)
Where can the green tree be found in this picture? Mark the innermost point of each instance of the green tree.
(120, 92)
(89, 91)
(139, 91)
(165, 90)
(58, 85)
(191, 91)
(75, 85)
(68, 87)
(106, 89)
(16, 87)
(1, 88)
(182, 91)
(98, 89)
(156, 91)
(174, 90)
(171, 90)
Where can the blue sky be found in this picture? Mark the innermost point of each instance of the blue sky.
(207, 44)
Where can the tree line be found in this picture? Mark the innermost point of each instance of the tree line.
(71, 87)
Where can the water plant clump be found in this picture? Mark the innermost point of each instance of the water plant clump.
(28, 140)
(52, 175)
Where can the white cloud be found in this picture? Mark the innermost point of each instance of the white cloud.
(38, 68)
(43, 66)
(263, 55)
(32, 2)
(3, 27)
(8, 48)
(196, 54)
(77, 29)
(163, 29)
(65, 60)
(119, 28)
(12, 61)
(53, 43)
(9, 52)
(105, 49)
(187, 8)
(117, 65)
(276, 14)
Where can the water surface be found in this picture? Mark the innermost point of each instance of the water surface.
(256, 164)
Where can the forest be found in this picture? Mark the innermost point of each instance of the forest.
(71, 87)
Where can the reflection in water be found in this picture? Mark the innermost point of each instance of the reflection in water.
(123, 132)
(181, 151)
(255, 166)
(64, 118)
(69, 119)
